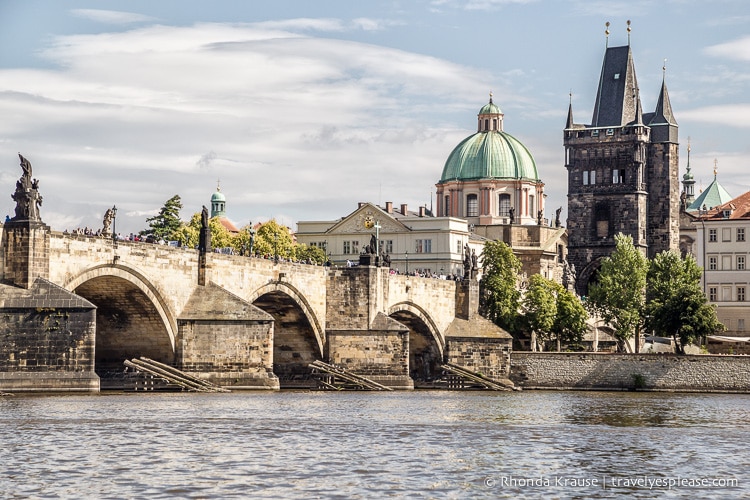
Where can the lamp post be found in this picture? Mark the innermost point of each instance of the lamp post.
(276, 246)
(251, 243)
(407, 263)
(114, 225)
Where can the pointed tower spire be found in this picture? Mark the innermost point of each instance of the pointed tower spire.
(688, 181)
(663, 124)
(569, 123)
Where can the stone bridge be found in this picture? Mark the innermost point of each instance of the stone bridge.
(77, 307)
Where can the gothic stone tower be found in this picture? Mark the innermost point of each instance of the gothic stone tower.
(622, 171)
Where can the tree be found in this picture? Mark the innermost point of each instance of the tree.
(273, 239)
(167, 222)
(570, 323)
(306, 253)
(499, 297)
(540, 309)
(676, 306)
(619, 294)
(188, 233)
(553, 313)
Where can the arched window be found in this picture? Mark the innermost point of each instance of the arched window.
(486, 124)
(494, 124)
(447, 211)
(472, 205)
(504, 205)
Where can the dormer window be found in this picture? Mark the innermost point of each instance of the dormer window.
(617, 76)
(726, 213)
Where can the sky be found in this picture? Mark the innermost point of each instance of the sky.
(299, 110)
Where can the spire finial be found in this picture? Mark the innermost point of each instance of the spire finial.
(664, 68)
(490, 97)
(218, 184)
(688, 159)
(628, 32)
(570, 97)
(716, 167)
(606, 34)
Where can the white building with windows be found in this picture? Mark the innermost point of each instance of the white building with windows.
(722, 251)
(414, 241)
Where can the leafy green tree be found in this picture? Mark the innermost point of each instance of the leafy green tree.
(675, 304)
(553, 313)
(570, 322)
(540, 308)
(499, 297)
(167, 222)
(188, 233)
(273, 239)
(619, 295)
(314, 254)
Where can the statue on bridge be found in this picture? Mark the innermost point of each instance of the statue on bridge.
(557, 217)
(512, 215)
(467, 262)
(27, 197)
(204, 239)
(109, 216)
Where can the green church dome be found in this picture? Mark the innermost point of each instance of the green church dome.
(490, 155)
(490, 109)
(218, 196)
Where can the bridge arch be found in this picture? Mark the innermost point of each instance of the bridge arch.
(133, 318)
(299, 338)
(426, 341)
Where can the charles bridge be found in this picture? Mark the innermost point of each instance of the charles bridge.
(76, 307)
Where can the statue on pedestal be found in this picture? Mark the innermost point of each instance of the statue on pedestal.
(27, 197)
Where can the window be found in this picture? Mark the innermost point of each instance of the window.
(610, 131)
(423, 246)
(585, 177)
(592, 177)
(459, 247)
(741, 294)
(712, 293)
(740, 262)
(532, 207)
(447, 211)
(472, 206)
(595, 133)
(741, 324)
(504, 203)
(740, 234)
(617, 175)
(355, 247)
(386, 246)
(347, 247)
(712, 263)
(712, 235)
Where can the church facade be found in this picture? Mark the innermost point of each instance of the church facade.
(622, 171)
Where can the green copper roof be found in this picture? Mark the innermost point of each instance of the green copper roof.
(490, 109)
(713, 196)
(490, 155)
(218, 196)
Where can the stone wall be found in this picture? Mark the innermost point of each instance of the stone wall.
(487, 356)
(46, 340)
(629, 371)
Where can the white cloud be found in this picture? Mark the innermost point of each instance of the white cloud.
(731, 115)
(738, 49)
(111, 16)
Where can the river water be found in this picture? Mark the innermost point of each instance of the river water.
(421, 444)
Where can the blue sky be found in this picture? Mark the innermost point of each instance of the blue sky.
(302, 109)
